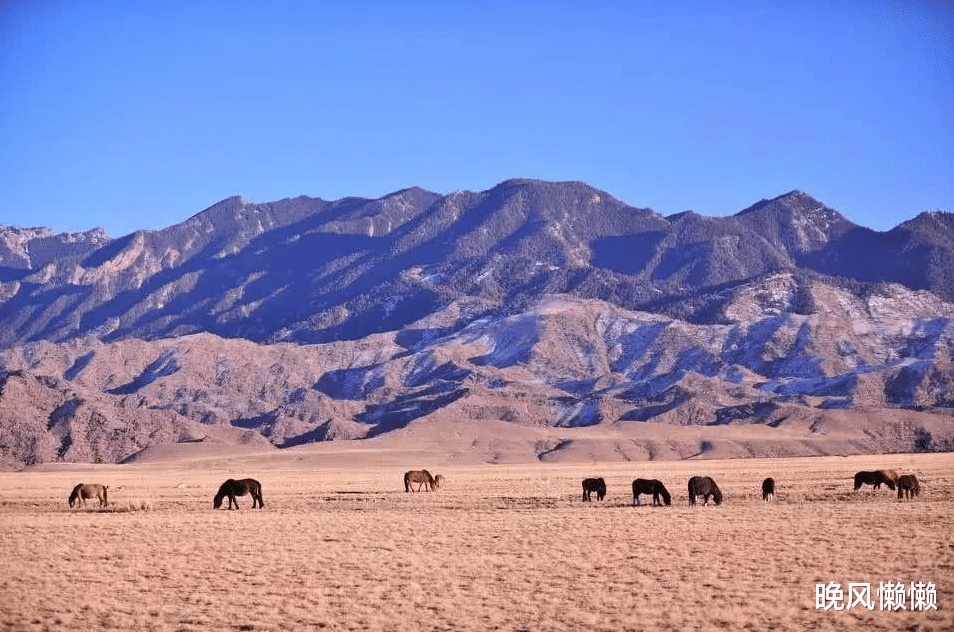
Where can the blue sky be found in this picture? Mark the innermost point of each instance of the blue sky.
(140, 114)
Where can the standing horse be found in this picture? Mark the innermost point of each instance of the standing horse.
(876, 478)
(233, 488)
(597, 485)
(704, 486)
(421, 477)
(654, 487)
(768, 489)
(88, 490)
(908, 486)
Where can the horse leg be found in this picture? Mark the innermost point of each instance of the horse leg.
(636, 500)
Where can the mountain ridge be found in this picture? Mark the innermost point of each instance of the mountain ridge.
(356, 264)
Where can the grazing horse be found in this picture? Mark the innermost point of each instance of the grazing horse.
(597, 485)
(876, 478)
(768, 489)
(88, 490)
(654, 487)
(422, 477)
(233, 488)
(704, 486)
(438, 482)
(908, 486)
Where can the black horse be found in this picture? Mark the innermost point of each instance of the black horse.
(876, 478)
(233, 488)
(597, 485)
(654, 487)
(704, 486)
(908, 486)
(768, 488)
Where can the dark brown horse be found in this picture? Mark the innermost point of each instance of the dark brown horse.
(704, 486)
(421, 477)
(876, 478)
(650, 486)
(88, 490)
(908, 486)
(233, 488)
(768, 489)
(597, 485)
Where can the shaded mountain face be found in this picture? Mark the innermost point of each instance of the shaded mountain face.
(308, 270)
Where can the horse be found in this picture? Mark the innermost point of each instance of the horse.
(421, 477)
(768, 489)
(438, 482)
(233, 488)
(654, 487)
(908, 486)
(88, 490)
(704, 486)
(876, 478)
(597, 485)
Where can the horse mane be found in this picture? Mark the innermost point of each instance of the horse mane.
(716, 492)
(889, 478)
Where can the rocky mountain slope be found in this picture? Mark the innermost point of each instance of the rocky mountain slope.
(547, 305)
(564, 362)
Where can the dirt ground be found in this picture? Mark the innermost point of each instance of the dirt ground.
(341, 546)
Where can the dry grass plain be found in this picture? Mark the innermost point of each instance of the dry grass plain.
(340, 546)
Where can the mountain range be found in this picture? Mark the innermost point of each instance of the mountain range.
(539, 304)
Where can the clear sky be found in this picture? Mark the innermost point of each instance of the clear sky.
(140, 114)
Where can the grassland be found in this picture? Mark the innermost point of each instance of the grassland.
(340, 546)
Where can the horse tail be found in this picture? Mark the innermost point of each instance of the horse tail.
(105, 503)
(692, 492)
(74, 495)
(407, 481)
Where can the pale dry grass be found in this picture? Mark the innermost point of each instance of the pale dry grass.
(501, 547)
